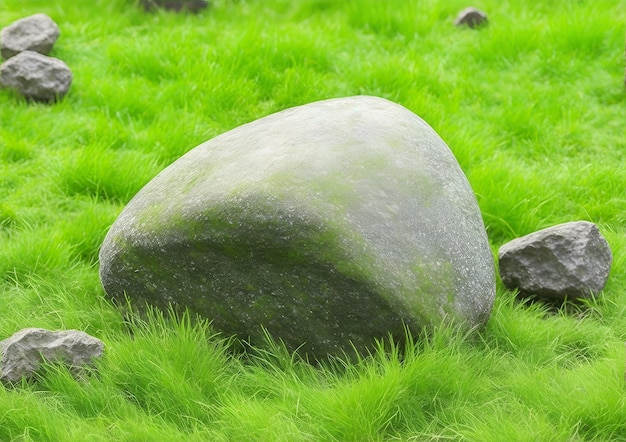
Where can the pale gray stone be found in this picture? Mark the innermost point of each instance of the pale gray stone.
(34, 33)
(23, 353)
(570, 260)
(471, 17)
(37, 77)
(332, 223)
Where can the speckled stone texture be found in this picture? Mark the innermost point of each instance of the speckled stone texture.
(570, 260)
(23, 353)
(330, 224)
(37, 77)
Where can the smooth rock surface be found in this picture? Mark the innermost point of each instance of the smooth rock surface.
(37, 77)
(22, 353)
(331, 223)
(34, 33)
(471, 17)
(570, 260)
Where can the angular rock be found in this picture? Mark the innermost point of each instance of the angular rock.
(37, 77)
(22, 353)
(34, 33)
(570, 260)
(471, 17)
(331, 223)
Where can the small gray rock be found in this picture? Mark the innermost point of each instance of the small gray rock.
(34, 33)
(23, 352)
(37, 77)
(568, 260)
(471, 17)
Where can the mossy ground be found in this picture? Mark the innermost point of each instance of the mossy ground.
(533, 106)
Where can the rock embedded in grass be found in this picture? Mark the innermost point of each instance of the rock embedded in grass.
(570, 260)
(471, 17)
(24, 352)
(330, 225)
(34, 33)
(37, 77)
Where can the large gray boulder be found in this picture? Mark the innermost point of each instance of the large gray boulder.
(37, 77)
(570, 260)
(34, 33)
(23, 353)
(329, 224)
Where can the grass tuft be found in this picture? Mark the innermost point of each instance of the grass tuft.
(106, 174)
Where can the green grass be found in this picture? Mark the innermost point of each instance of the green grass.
(533, 106)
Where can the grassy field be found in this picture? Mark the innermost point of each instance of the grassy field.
(533, 106)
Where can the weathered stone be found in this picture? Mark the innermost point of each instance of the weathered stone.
(34, 33)
(471, 17)
(570, 260)
(193, 6)
(335, 222)
(23, 352)
(37, 77)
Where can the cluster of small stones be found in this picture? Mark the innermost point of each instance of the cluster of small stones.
(24, 353)
(25, 45)
(27, 69)
(568, 261)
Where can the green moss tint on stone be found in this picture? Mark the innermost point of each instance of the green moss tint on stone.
(330, 225)
(306, 288)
